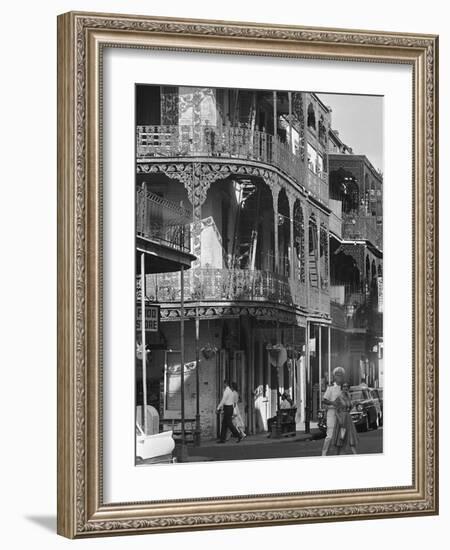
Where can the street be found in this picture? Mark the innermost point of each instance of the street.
(254, 447)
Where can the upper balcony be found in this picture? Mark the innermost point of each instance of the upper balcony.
(227, 142)
(358, 227)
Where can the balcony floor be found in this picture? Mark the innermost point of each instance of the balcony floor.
(160, 258)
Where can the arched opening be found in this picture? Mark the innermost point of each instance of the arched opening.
(344, 188)
(345, 272)
(311, 116)
(322, 130)
(284, 234)
(299, 240)
(242, 210)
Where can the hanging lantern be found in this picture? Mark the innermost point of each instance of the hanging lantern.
(209, 351)
(277, 354)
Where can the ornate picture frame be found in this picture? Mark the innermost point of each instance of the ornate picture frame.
(82, 38)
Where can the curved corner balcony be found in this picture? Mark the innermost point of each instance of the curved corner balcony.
(235, 285)
(229, 285)
(227, 142)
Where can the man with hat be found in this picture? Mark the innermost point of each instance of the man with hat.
(329, 399)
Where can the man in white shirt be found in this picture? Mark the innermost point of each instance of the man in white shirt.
(329, 399)
(285, 402)
(227, 405)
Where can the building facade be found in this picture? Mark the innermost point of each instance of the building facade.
(252, 168)
(356, 249)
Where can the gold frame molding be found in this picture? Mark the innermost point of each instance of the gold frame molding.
(81, 37)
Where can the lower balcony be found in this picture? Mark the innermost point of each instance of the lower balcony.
(231, 285)
(235, 285)
(352, 309)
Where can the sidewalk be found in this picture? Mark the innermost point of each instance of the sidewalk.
(263, 439)
(210, 449)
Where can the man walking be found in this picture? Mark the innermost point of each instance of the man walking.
(227, 405)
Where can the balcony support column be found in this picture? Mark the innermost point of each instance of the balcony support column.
(197, 377)
(319, 264)
(292, 270)
(290, 120)
(275, 114)
(183, 449)
(329, 354)
(144, 209)
(275, 126)
(197, 199)
(306, 233)
(144, 346)
(320, 366)
(275, 192)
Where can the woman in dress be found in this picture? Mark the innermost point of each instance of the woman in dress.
(237, 418)
(344, 429)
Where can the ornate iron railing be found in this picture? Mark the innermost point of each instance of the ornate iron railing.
(226, 141)
(161, 220)
(358, 227)
(360, 308)
(207, 284)
(235, 285)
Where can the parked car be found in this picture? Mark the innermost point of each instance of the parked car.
(367, 410)
(154, 449)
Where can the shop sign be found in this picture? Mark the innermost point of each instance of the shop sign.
(151, 318)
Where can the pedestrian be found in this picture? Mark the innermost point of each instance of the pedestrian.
(227, 405)
(285, 404)
(329, 400)
(237, 418)
(344, 430)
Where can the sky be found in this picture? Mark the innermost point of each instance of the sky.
(359, 120)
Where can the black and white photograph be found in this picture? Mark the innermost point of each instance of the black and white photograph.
(259, 274)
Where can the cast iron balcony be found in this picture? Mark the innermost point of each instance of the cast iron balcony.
(162, 221)
(235, 285)
(230, 285)
(222, 142)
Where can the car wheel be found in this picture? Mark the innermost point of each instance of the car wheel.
(365, 426)
(375, 423)
(380, 420)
